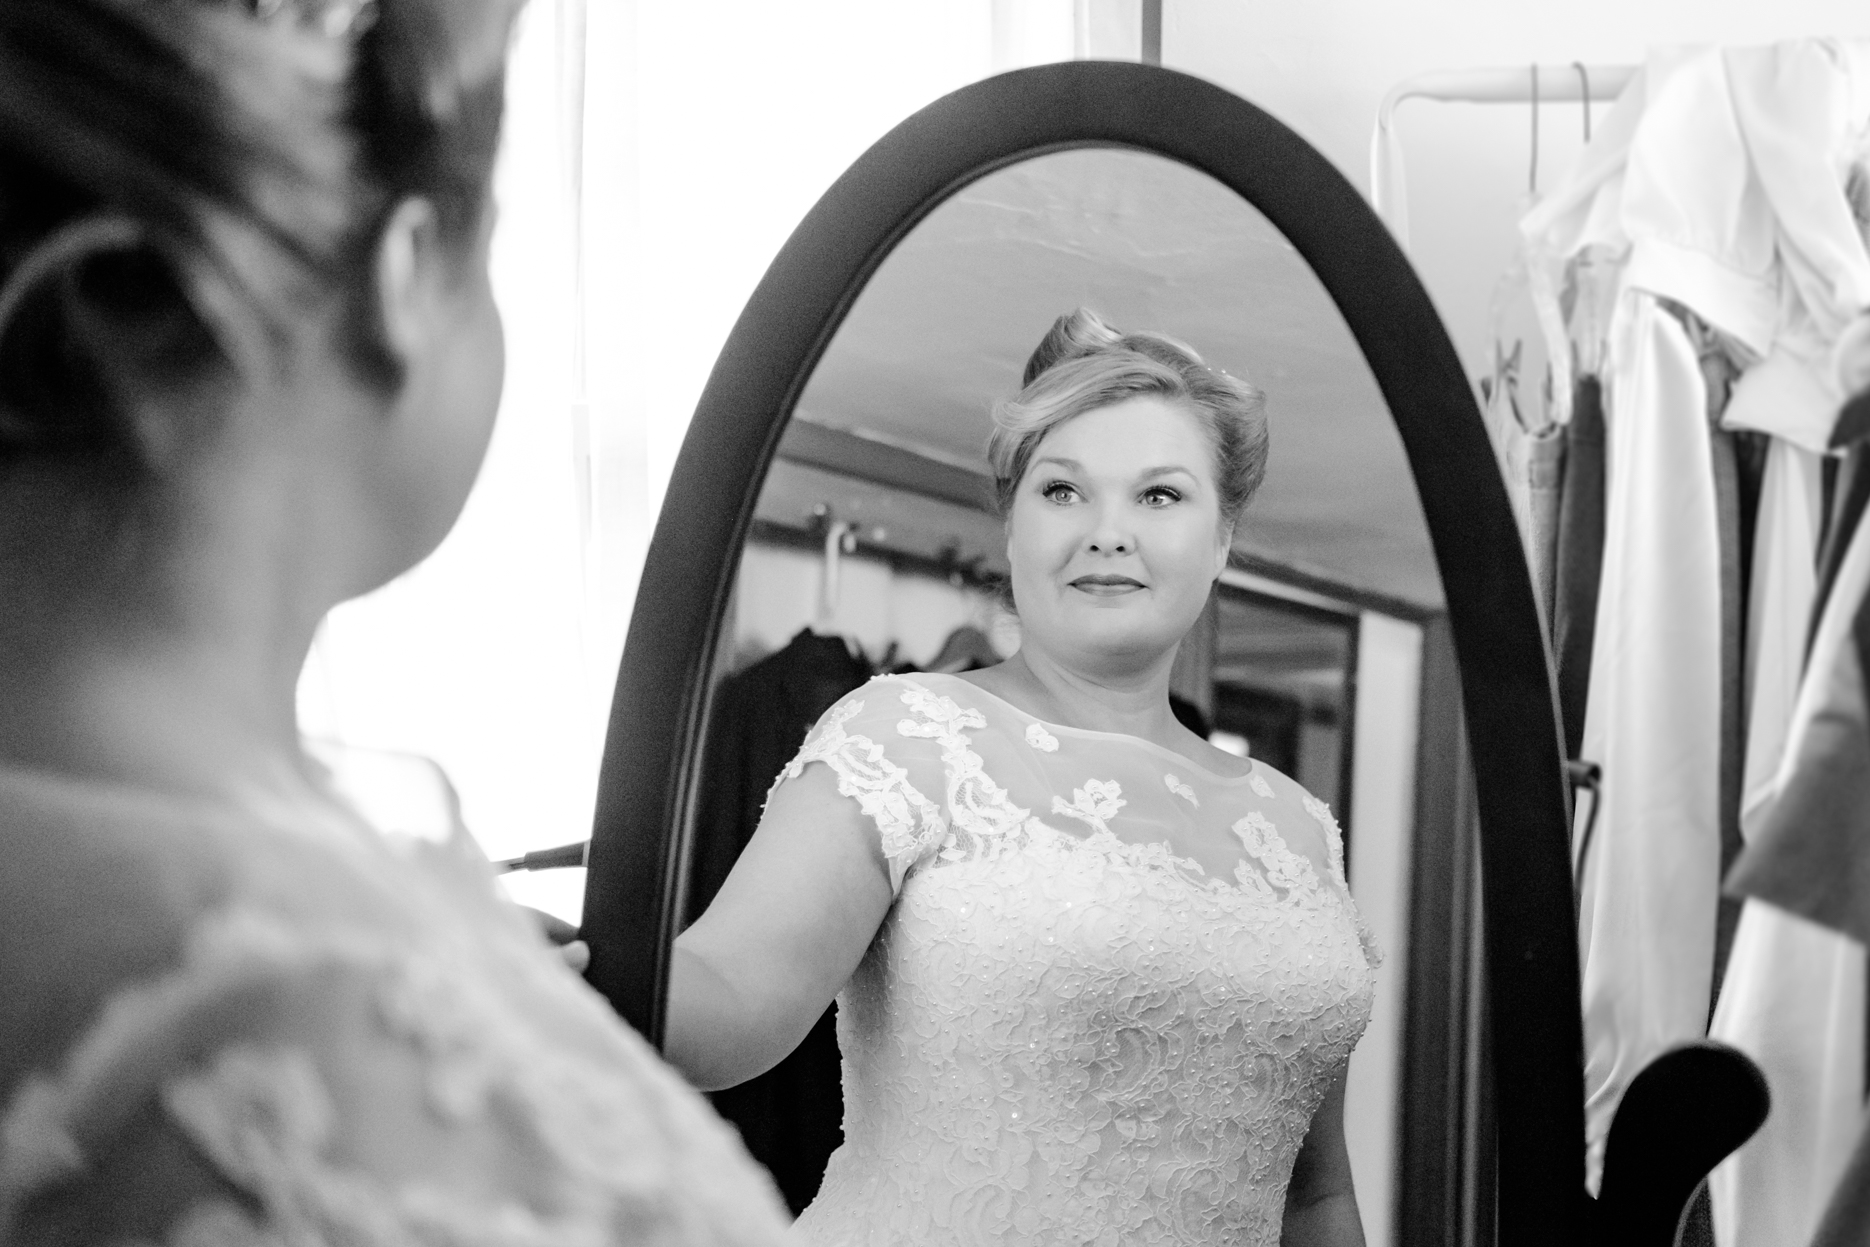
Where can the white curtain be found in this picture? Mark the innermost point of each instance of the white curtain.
(656, 157)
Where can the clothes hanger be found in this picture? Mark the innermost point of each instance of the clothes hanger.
(840, 540)
(1532, 175)
(1584, 91)
(966, 649)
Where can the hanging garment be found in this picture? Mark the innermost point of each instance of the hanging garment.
(1809, 853)
(1545, 482)
(1647, 895)
(1793, 994)
(1506, 429)
(1738, 459)
(1588, 303)
(1579, 557)
(1111, 994)
(1724, 190)
(1531, 453)
(1846, 1220)
(1852, 497)
(1528, 402)
(791, 1116)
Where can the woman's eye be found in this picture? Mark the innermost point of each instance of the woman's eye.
(1160, 496)
(1058, 491)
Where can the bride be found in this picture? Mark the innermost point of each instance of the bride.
(249, 362)
(1098, 980)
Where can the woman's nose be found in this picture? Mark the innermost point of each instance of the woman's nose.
(1111, 536)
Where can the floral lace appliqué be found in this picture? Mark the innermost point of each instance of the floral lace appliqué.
(908, 822)
(607, 1126)
(1334, 839)
(1261, 788)
(1284, 869)
(1039, 738)
(1094, 804)
(1176, 786)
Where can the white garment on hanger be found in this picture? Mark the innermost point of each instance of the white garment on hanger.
(1793, 997)
(1647, 897)
(1721, 178)
(1785, 582)
(1793, 1000)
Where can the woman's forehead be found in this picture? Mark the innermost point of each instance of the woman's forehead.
(1134, 436)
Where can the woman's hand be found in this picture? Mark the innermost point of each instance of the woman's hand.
(1321, 1205)
(576, 953)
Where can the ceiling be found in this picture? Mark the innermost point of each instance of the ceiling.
(945, 326)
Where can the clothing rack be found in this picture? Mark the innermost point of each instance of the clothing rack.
(950, 565)
(1521, 84)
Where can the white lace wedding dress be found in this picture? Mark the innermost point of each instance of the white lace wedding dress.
(1112, 992)
(224, 1026)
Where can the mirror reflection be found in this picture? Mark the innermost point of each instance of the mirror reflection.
(1089, 796)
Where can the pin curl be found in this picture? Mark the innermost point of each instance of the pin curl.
(335, 19)
(71, 243)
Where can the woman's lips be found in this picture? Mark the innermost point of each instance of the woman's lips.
(1106, 586)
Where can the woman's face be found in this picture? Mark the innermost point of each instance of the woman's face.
(1115, 535)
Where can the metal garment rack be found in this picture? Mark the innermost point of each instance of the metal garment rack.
(1521, 84)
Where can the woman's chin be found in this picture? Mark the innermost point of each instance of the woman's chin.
(1123, 642)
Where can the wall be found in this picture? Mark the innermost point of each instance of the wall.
(1323, 67)
(1382, 808)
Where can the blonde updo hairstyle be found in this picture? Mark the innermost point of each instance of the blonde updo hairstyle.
(185, 185)
(1083, 364)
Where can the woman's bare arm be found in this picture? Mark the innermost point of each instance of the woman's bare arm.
(1321, 1205)
(789, 926)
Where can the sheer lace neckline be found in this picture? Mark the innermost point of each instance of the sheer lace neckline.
(112, 802)
(1180, 759)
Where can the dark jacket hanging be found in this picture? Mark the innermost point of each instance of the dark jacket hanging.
(1580, 555)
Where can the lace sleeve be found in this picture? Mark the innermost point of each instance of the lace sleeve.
(1334, 844)
(887, 782)
(1289, 790)
(336, 1089)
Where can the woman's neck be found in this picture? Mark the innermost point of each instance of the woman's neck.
(1132, 701)
(174, 672)
(185, 716)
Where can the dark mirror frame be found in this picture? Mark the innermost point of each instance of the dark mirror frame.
(643, 833)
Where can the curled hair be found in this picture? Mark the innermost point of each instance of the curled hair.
(1083, 364)
(254, 149)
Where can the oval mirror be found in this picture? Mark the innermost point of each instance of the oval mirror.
(1373, 636)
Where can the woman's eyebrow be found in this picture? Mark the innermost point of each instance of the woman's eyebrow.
(1072, 465)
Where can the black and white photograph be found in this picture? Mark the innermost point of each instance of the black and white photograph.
(934, 623)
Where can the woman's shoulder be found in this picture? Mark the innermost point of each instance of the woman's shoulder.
(106, 887)
(1257, 779)
(924, 699)
(315, 1046)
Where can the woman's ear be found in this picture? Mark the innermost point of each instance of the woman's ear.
(409, 264)
(1222, 547)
